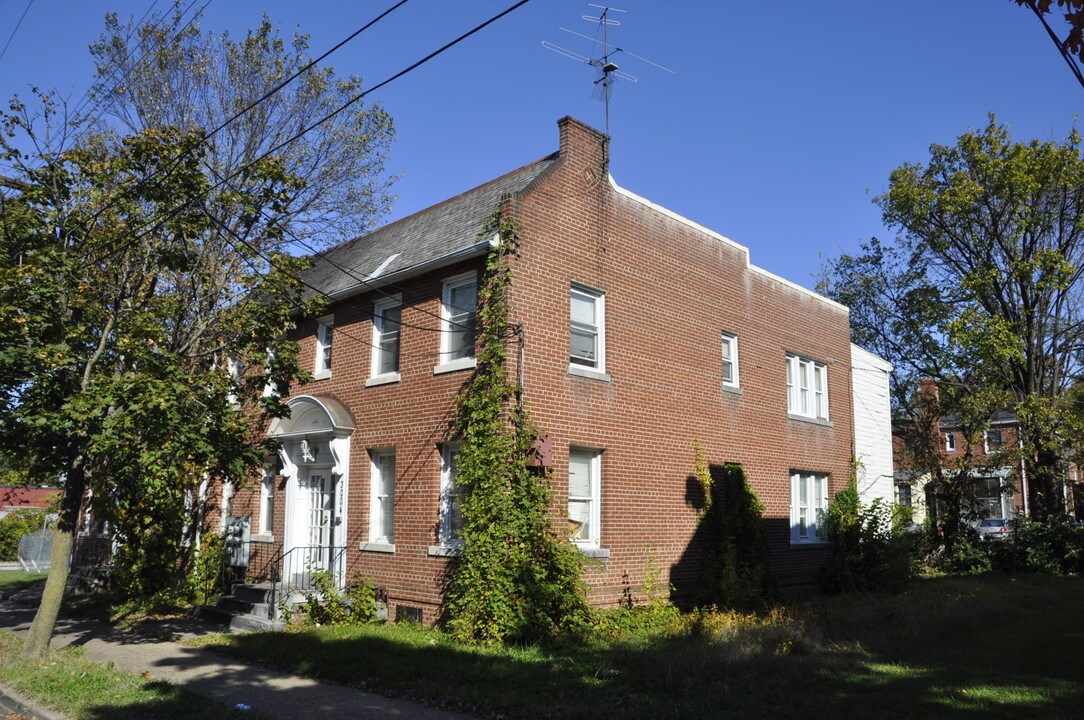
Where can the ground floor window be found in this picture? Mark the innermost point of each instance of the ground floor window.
(808, 506)
(583, 496)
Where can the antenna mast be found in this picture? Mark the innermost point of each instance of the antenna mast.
(608, 70)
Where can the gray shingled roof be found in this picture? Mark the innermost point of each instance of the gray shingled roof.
(1000, 417)
(440, 231)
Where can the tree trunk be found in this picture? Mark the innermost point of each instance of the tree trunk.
(41, 630)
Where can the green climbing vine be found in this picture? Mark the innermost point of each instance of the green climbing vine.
(517, 579)
(733, 573)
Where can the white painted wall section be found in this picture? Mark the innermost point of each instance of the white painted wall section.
(872, 425)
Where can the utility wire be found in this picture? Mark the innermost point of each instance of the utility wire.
(334, 328)
(168, 171)
(1074, 67)
(17, 26)
(151, 226)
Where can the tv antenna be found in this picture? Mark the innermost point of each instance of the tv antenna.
(602, 54)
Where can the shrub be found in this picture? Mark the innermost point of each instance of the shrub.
(12, 528)
(870, 550)
(1052, 547)
(325, 605)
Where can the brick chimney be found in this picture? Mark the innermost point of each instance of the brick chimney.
(583, 148)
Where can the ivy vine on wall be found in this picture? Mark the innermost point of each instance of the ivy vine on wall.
(517, 578)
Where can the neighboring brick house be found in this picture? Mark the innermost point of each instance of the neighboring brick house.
(20, 498)
(998, 491)
(643, 333)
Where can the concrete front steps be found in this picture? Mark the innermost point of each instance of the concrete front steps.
(246, 609)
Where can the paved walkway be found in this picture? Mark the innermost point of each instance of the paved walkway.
(229, 681)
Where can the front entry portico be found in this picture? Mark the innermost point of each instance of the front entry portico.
(315, 454)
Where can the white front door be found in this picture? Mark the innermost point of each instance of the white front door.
(314, 519)
(321, 517)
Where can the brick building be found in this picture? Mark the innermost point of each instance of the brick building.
(644, 333)
(999, 481)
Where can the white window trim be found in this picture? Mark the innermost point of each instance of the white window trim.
(731, 340)
(986, 440)
(236, 370)
(447, 489)
(598, 299)
(269, 388)
(379, 308)
(325, 331)
(447, 364)
(950, 442)
(809, 377)
(594, 455)
(377, 532)
(816, 503)
(267, 502)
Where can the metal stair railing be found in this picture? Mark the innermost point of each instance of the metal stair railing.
(292, 571)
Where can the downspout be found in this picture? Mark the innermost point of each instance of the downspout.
(1023, 472)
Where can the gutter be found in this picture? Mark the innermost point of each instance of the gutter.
(373, 282)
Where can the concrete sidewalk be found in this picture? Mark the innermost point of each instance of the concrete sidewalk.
(231, 682)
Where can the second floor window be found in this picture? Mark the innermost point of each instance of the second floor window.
(325, 330)
(807, 388)
(586, 338)
(459, 303)
(386, 318)
(730, 360)
(950, 442)
(994, 440)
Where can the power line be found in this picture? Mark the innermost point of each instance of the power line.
(334, 328)
(17, 26)
(149, 227)
(186, 153)
(1073, 66)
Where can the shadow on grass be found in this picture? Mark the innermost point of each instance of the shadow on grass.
(1011, 664)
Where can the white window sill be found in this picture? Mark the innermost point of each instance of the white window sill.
(735, 389)
(818, 543)
(385, 379)
(321, 375)
(378, 547)
(581, 371)
(811, 420)
(455, 365)
(593, 552)
(262, 538)
(445, 550)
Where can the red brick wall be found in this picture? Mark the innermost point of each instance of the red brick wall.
(670, 290)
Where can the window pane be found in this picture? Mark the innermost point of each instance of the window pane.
(460, 315)
(582, 347)
(389, 340)
(583, 309)
(579, 519)
(579, 475)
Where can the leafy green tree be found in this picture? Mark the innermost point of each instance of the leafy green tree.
(982, 294)
(516, 579)
(143, 253)
(114, 337)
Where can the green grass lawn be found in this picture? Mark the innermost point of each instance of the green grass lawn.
(976, 647)
(20, 580)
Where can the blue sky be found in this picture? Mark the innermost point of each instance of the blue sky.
(781, 123)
